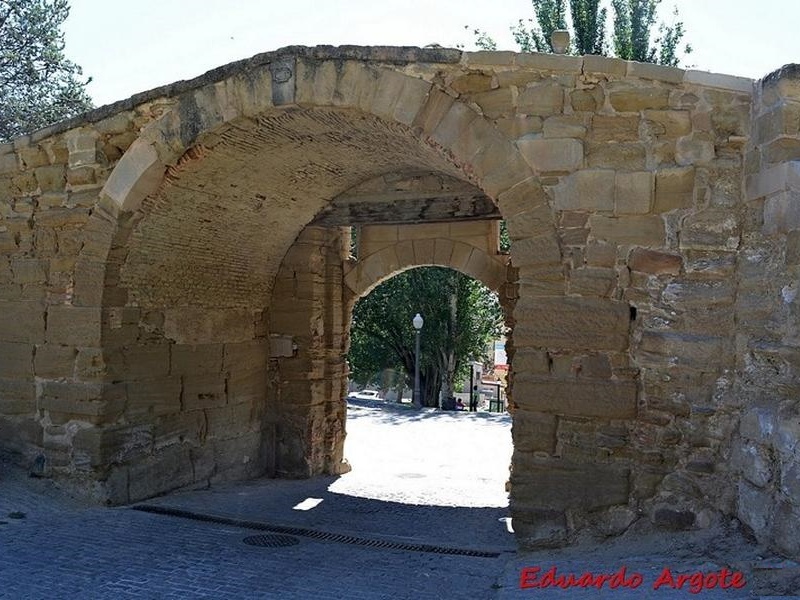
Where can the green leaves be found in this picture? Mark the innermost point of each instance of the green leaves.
(38, 85)
(461, 317)
(633, 23)
(550, 15)
(589, 23)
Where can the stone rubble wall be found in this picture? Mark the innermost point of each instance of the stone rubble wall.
(765, 455)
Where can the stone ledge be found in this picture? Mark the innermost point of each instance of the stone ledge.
(716, 80)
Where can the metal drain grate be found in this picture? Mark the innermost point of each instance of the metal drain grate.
(312, 533)
(271, 540)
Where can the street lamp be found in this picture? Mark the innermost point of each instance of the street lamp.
(417, 322)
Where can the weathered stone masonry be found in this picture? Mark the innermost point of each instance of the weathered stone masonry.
(176, 285)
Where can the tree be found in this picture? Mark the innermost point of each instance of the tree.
(550, 15)
(38, 85)
(633, 29)
(461, 317)
(589, 25)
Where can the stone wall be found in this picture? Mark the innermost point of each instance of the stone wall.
(765, 452)
(308, 369)
(53, 385)
(168, 316)
(625, 245)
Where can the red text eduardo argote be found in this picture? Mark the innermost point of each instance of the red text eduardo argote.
(694, 582)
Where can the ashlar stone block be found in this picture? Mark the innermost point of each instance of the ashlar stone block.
(577, 398)
(687, 349)
(203, 391)
(694, 149)
(535, 221)
(674, 189)
(17, 397)
(654, 262)
(588, 189)
(16, 360)
(626, 97)
(73, 325)
(613, 155)
(633, 192)
(22, 322)
(51, 178)
(582, 486)
(534, 431)
(636, 230)
(614, 128)
(472, 82)
(713, 229)
(54, 361)
(572, 323)
(524, 196)
(540, 250)
(564, 127)
(552, 155)
(541, 99)
(591, 281)
(668, 123)
(782, 212)
(82, 147)
(495, 103)
(787, 528)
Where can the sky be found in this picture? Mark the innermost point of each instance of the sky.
(131, 47)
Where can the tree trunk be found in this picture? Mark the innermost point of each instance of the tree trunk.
(448, 355)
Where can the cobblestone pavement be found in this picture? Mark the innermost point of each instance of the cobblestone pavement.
(61, 548)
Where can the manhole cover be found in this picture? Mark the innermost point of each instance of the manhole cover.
(271, 540)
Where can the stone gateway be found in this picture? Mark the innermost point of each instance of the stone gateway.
(176, 280)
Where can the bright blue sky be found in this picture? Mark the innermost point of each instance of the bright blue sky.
(131, 47)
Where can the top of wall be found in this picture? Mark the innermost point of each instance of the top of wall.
(405, 55)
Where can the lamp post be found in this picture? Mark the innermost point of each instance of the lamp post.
(417, 322)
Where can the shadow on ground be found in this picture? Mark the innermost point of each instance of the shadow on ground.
(271, 502)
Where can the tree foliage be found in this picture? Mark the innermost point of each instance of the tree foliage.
(461, 318)
(589, 26)
(632, 35)
(550, 15)
(38, 85)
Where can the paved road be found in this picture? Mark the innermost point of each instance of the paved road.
(401, 458)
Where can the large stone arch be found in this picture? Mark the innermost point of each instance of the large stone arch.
(178, 325)
(143, 245)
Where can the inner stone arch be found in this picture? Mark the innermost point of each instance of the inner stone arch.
(442, 477)
(320, 280)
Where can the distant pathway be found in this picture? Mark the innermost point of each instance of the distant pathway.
(445, 458)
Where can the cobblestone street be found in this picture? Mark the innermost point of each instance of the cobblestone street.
(61, 549)
(419, 477)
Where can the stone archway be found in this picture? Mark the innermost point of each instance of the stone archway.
(194, 297)
(144, 247)
(308, 372)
